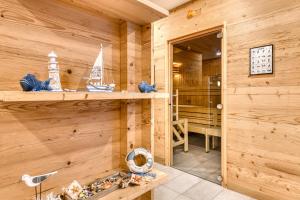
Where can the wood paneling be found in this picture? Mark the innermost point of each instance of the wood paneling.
(20, 96)
(192, 77)
(80, 139)
(211, 67)
(212, 73)
(77, 139)
(131, 52)
(137, 11)
(141, 192)
(262, 122)
(135, 115)
(147, 136)
(31, 29)
(189, 74)
(207, 46)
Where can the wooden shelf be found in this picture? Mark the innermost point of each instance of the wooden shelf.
(134, 192)
(138, 11)
(20, 96)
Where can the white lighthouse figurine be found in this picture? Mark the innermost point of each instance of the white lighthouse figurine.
(54, 72)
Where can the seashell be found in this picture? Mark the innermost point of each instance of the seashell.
(31, 83)
(144, 87)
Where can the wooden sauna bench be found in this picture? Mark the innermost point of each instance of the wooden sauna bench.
(202, 120)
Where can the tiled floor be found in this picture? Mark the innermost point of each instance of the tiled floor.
(196, 161)
(183, 186)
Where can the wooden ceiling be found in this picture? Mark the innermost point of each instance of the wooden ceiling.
(207, 46)
(138, 11)
(169, 4)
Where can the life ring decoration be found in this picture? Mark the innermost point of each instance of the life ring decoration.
(139, 169)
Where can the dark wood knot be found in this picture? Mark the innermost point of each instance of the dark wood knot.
(69, 71)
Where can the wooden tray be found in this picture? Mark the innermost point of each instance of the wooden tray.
(103, 192)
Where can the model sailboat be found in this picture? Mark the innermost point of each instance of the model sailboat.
(95, 81)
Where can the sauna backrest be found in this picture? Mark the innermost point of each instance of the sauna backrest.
(200, 115)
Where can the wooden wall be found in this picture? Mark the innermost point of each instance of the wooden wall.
(147, 139)
(211, 71)
(191, 79)
(82, 140)
(31, 29)
(75, 138)
(188, 76)
(263, 142)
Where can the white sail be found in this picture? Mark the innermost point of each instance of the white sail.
(97, 70)
(95, 83)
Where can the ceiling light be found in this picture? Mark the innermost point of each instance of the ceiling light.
(177, 64)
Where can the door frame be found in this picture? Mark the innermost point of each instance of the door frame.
(171, 43)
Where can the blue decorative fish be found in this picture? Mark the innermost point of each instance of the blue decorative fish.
(31, 83)
(144, 87)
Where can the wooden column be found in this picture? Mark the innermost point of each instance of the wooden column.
(147, 133)
(130, 74)
(133, 117)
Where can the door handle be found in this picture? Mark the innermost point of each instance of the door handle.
(219, 106)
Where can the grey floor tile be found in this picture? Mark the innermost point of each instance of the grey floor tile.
(207, 170)
(231, 195)
(193, 188)
(185, 164)
(204, 190)
(170, 171)
(196, 161)
(183, 182)
(182, 197)
(164, 193)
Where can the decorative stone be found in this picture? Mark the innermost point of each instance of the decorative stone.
(51, 196)
(73, 190)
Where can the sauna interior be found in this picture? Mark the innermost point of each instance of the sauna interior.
(149, 99)
(196, 95)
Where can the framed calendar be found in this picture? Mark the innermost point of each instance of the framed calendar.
(261, 60)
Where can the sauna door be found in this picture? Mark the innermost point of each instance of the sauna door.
(196, 72)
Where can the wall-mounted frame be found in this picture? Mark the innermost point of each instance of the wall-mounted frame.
(261, 60)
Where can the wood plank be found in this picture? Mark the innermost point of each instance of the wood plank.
(164, 12)
(19, 96)
(147, 130)
(253, 106)
(80, 139)
(30, 30)
(134, 192)
(72, 132)
(191, 78)
(70, 137)
(131, 53)
(141, 12)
